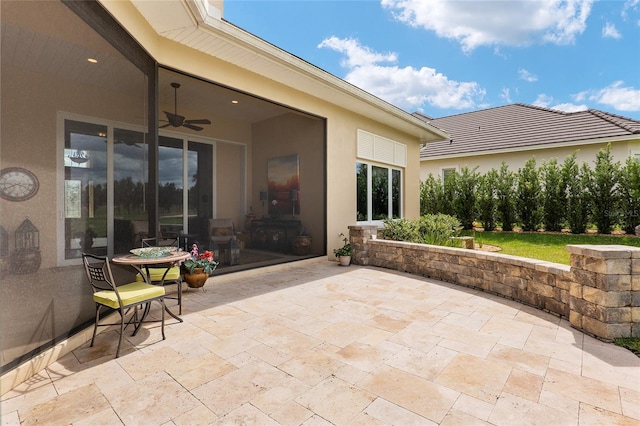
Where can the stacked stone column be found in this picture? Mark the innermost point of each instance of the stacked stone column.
(605, 290)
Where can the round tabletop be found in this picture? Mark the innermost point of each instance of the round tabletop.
(132, 259)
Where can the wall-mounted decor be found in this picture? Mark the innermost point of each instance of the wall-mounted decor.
(283, 180)
(26, 258)
(17, 184)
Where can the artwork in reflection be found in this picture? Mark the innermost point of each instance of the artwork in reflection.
(283, 186)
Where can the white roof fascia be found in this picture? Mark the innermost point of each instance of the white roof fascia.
(197, 24)
(532, 147)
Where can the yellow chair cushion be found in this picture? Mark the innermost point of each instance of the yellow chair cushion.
(130, 294)
(156, 274)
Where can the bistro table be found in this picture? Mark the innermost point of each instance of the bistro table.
(142, 264)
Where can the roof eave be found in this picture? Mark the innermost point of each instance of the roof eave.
(531, 147)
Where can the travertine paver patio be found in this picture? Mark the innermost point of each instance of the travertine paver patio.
(320, 344)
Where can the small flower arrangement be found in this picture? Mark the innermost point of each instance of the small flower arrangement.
(203, 260)
(345, 250)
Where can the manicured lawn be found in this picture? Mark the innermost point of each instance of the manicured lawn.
(542, 246)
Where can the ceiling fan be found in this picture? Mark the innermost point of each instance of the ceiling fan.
(176, 120)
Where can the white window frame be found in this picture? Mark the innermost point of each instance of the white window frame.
(444, 169)
(374, 150)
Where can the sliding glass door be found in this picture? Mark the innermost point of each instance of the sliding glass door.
(185, 192)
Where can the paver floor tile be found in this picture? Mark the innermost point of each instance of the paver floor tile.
(426, 365)
(512, 410)
(362, 356)
(609, 363)
(476, 377)
(595, 416)
(526, 361)
(459, 418)
(473, 406)
(511, 332)
(67, 408)
(291, 414)
(239, 386)
(195, 372)
(524, 385)
(106, 376)
(336, 400)
(630, 402)
(163, 399)
(311, 367)
(197, 416)
(388, 413)
(410, 392)
(583, 389)
(246, 415)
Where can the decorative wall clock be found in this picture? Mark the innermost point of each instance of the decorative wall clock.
(17, 184)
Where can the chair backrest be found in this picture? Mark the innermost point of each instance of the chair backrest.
(99, 273)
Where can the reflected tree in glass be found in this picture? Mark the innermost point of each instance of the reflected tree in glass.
(380, 192)
(361, 192)
(395, 193)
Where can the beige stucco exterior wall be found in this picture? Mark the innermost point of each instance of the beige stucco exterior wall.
(342, 124)
(585, 153)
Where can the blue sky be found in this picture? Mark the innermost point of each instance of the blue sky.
(445, 57)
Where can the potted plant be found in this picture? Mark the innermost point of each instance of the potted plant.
(344, 253)
(199, 267)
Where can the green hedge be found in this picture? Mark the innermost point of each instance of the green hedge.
(553, 196)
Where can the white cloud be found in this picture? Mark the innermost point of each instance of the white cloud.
(567, 107)
(630, 5)
(617, 96)
(546, 101)
(527, 76)
(408, 88)
(609, 31)
(490, 23)
(505, 95)
(543, 100)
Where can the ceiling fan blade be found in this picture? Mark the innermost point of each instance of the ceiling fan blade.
(198, 121)
(174, 119)
(164, 125)
(191, 126)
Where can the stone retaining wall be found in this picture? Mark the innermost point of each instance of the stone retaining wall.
(599, 293)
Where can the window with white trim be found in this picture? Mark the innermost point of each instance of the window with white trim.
(379, 180)
(445, 172)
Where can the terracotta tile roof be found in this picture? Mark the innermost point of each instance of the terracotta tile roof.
(519, 125)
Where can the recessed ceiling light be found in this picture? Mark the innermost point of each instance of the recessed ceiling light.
(92, 60)
(234, 101)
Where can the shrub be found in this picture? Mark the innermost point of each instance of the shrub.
(505, 191)
(401, 230)
(528, 196)
(449, 194)
(554, 199)
(436, 229)
(629, 201)
(603, 189)
(464, 202)
(431, 195)
(487, 201)
(576, 182)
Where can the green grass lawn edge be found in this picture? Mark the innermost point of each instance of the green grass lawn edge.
(550, 247)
